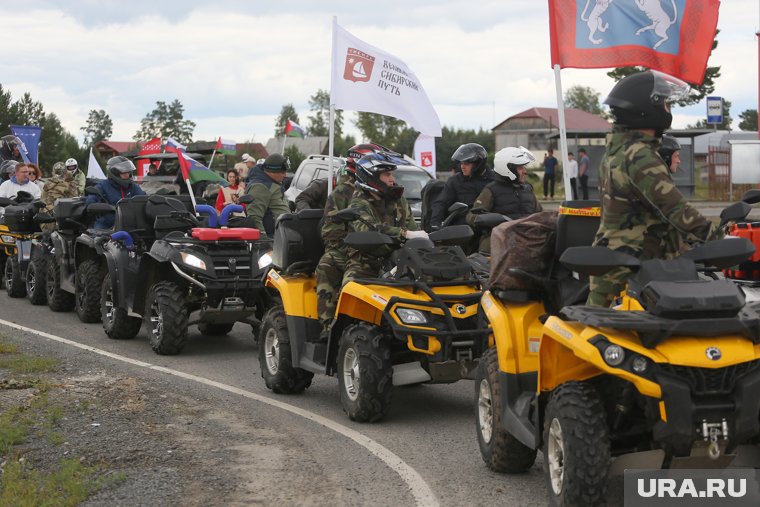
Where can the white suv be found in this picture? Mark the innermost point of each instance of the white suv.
(411, 177)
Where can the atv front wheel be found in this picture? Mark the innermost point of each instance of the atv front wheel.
(501, 451)
(117, 324)
(14, 284)
(209, 329)
(576, 446)
(35, 282)
(275, 358)
(168, 318)
(58, 299)
(365, 373)
(87, 291)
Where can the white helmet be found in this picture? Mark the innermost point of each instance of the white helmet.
(507, 160)
(71, 165)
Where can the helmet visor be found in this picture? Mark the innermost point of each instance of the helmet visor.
(671, 89)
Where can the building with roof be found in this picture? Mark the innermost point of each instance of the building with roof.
(533, 128)
(316, 145)
(108, 149)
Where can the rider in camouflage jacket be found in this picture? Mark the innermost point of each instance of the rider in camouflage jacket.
(61, 185)
(640, 203)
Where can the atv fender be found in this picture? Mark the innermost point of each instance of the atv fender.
(298, 294)
(153, 268)
(362, 303)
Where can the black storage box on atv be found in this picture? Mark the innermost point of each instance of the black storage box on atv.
(298, 240)
(69, 208)
(19, 218)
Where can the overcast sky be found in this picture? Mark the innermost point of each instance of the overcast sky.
(233, 64)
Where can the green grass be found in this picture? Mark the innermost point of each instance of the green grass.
(27, 364)
(7, 348)
(70, 484)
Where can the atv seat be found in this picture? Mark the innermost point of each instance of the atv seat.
(158, 212)
(298, 241)
(430, 193)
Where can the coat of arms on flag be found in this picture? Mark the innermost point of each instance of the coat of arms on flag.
(358, 65)
(426, 159)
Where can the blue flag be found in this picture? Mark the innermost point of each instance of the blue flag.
(30, 138)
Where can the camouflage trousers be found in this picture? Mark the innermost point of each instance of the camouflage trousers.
(329, 274)
(605, 288)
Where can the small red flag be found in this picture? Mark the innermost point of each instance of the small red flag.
(673, 37)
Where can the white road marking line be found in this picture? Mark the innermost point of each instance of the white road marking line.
(420, 490)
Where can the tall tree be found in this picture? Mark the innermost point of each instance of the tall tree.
(697, 92)
(99, 127)
(166, 120)
(57, 144)
(726, 125)
(288, 112)
(27, 111)
(748, 120)
(5, 111)
(319, 122)
(584, 98)
(378, 128)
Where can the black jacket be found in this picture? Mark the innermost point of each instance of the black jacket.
(459, 189)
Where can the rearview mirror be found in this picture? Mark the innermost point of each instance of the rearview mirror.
(735, 212)
(751, 196)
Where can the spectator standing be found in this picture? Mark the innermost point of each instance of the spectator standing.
(246, 165)
(584, 165)
(550, 172)
(572, 172)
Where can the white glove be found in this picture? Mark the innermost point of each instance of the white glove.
(416, 234)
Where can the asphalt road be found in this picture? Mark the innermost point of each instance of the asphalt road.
(430, 428)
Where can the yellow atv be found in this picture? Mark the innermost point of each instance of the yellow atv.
(669, 377)
(17, 231)
(417, 323)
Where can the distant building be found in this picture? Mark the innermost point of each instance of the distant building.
(108, 149)
(534, 127)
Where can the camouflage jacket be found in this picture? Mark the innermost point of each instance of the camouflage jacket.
(313, 196)
(57, 187)
(332, 233)
(639, 198)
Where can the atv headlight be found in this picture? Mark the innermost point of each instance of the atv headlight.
(193, 260)
(409, 316)
(8, 239)
(639, 364)
(614, 355)
(265, 260)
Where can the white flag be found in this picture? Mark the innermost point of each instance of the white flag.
(93, 168)
(424, 153)
(365, 78)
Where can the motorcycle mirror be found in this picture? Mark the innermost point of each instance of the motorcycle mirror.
(345, 215)
(735, 212)
(43, 218)
(246, 199)
(751, 196)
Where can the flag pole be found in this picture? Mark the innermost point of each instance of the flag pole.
(212, 159)
(331, 142)
(284, 140)
(562, 133)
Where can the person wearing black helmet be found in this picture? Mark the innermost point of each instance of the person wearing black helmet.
(10, 148)
(472, 175)
(266, 188)
(670, 151)
(382, 207)
(118, 185)
(640, 203)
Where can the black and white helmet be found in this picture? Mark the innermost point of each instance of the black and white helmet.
(118, 165)
(507, 160)
(72, 165)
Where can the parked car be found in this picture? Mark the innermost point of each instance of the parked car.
(411, 177)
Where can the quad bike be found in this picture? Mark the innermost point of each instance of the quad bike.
(747, 274)
(668, 378)
(18, 229)
(165, 267)
(416, 323)
(71, 258)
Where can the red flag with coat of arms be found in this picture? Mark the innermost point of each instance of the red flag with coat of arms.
(673, 36)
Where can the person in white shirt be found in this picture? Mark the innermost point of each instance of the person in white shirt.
(20, 182)
(572, 172)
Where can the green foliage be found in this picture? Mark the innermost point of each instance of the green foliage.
(452, 139)
(727, 120)
(584, 98)
(319, 122)
(21, 485)
(166, 120)
(342, 144)
(99, 127)
(27, 364)
(748, 120)
(295, 156)
(378, 128)
(288, 112)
